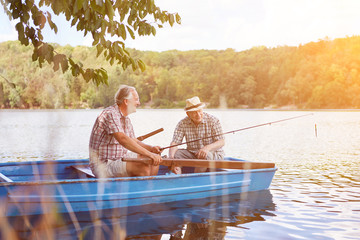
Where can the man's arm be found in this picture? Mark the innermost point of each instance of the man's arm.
(202, 153)
(172, 150)
(154, 149)
(133, 146)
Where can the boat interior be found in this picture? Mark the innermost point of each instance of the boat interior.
(57, 170)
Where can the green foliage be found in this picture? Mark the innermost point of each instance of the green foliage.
(322, 74)
(95, 17)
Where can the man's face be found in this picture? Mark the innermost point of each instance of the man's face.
(132, 103)
(195, 116)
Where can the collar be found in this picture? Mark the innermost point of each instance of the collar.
(118, 109)
(201, 122)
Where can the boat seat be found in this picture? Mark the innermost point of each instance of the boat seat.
(84, 169)
(4, 178)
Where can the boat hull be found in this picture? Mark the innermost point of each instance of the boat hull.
(58, 190)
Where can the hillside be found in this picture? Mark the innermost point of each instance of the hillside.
(323, 74)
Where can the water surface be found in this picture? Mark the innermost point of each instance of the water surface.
(315, 193)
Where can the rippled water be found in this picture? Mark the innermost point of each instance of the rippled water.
(315, 193)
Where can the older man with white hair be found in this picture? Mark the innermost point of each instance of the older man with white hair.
(113, 135)
(203, 133)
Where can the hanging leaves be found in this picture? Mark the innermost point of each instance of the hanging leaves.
(98, 17)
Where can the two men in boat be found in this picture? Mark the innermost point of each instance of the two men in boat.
(203, 134)
(113, 136)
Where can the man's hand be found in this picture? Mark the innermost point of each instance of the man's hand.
(202, 153)
(156, 159)
(156, 149)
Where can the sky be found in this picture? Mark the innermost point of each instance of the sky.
(236, 24)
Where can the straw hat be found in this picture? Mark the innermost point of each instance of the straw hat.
(194, 104)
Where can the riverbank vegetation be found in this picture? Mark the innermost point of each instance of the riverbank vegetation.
(323, 74)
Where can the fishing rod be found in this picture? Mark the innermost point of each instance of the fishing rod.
(141, 138)
(241, 129)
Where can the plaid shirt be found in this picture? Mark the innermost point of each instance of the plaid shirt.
(209, 126)
(102, 142)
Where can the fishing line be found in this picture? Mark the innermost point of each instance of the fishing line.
(234, 131)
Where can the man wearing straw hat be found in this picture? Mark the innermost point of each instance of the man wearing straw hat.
(200, 126)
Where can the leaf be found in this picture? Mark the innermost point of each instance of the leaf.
(96, 38)
(178, 18)
(122, 32)
(42, 21)
(98, 23)
(115, 47)
(99, 49)
(153, 30)
(87, 15)
(104, 74)
(108, 44)
(34, 56)
(40, 36)
(80, 3)
(56, 7)
(121, 52)
(109, 9)
(19, 27)
(26, 17)
(131, 32)
(51, 23)
(98, 8)
(133, 64)
(171, 20)
(136, 25)
(36, 43)
(56, 62)
(15, 14)
(141, 65)
(75, 70)
(88, 74)
(55, 28)
(30, 32)
(122, 13)
(64, 64)
(73, 22)
(71, 62)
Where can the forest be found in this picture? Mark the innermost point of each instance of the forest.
(317, 75)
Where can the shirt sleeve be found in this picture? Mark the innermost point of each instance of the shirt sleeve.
(178, 133)
(112, 121)
(217, 131)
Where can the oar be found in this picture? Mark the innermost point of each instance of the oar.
(234, 131)
(206, 163)
(141, 138)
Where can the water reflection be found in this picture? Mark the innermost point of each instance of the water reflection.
(199, 219)
(196, 219)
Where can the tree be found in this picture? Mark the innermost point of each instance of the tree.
(101, 18)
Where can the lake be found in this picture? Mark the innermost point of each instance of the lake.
(315, 193)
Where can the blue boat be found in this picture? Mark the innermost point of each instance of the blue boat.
(67, 186)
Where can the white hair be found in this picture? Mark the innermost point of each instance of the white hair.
(124, 92)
